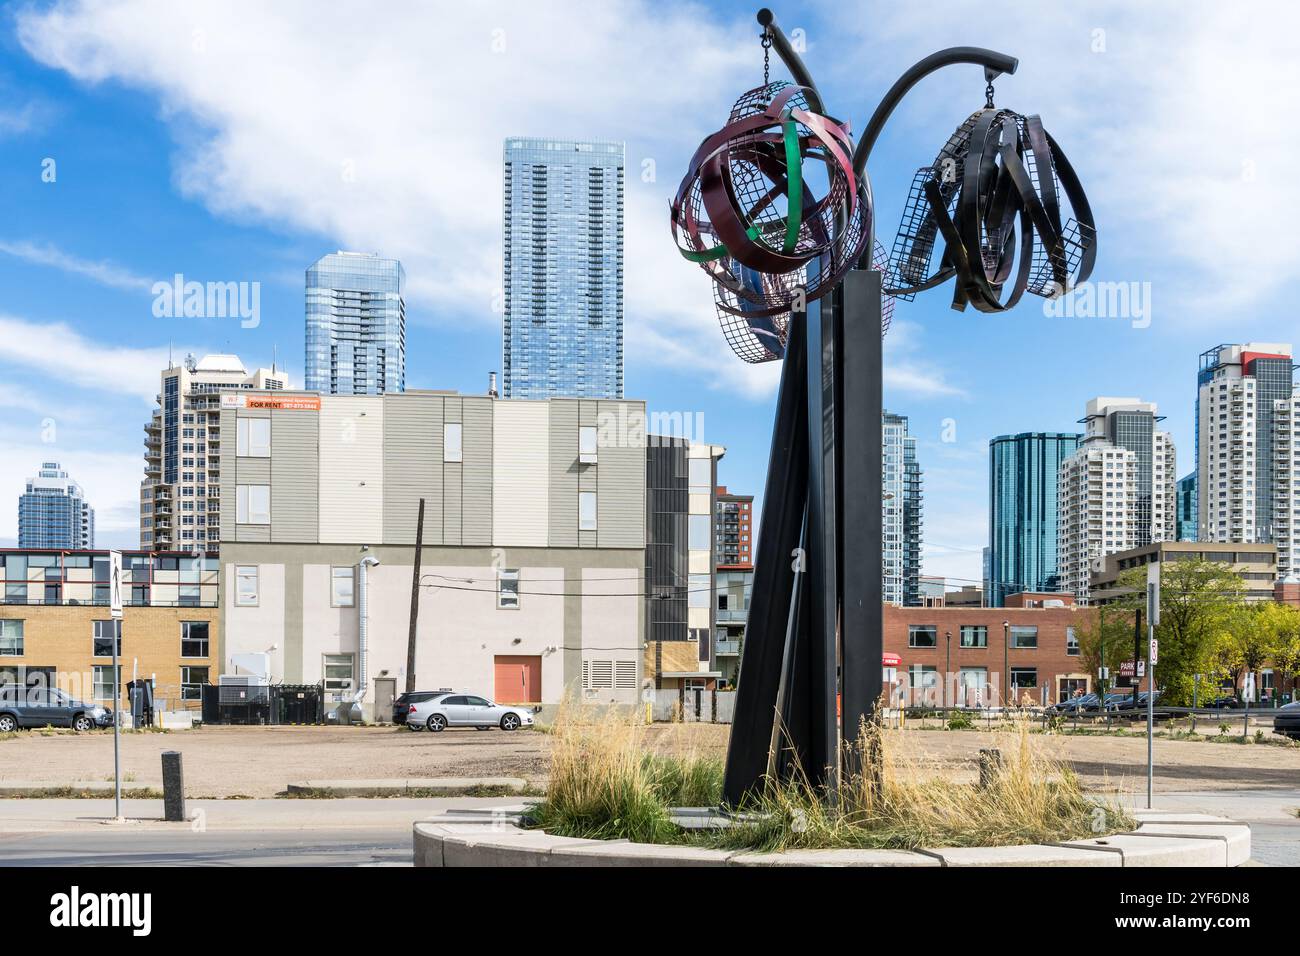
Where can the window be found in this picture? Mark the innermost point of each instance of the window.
(586, 511)
(699, 473)
(338, 673)
(342, 586)
(103, 678)
(923, 679)
(194, 638)
(246, 585)
(587, 444)
(253, 437)
(699, 533)
(1024, 636)
(974, 635)
(508, 589)
(451, 441)
(192, 681)
(11, 638)
(699, 586)
(922, 635)
(1071, 642)
(1024, 678)
(105, 634)
(253, 504)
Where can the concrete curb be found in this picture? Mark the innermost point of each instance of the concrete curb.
(405, 787)
(494, 838)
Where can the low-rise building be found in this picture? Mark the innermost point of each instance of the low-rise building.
(966, 656)
(534, 543)
(56, 628)
(1255, 564)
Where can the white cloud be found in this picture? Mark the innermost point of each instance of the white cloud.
(393, 142)
(56, 351)
(47, 254)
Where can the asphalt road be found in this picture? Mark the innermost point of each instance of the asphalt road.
(326, 847)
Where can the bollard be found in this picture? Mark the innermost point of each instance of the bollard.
(990, 764)
(173, 787)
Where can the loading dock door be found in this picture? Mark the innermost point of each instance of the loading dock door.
(518, 679)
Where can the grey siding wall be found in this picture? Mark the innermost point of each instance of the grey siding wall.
(253, 471)
(620, 502)
(452, 505)
(412, 466)
(565, 474)
(295, 476)
(227, 483)
(476, 473)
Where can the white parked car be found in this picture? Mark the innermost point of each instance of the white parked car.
(465, 710)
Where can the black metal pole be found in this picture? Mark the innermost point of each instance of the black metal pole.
(784, 495)
(1137, 654)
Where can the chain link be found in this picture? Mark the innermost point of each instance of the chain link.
(988, 95)
(767, 46)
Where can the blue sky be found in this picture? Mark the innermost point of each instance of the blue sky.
(216, 140)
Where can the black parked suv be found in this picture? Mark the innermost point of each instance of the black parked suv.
(47, 707)
(402, 706)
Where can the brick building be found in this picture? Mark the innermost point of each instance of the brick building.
(56, 628)
(970, 646)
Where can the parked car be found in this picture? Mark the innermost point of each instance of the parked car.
(1135, 711)
(402, 706)
(22, 706)
(466, 710)
(1224, 703)
(1287, 720)
(1068, 708)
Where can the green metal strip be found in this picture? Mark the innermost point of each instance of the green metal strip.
(794, 182)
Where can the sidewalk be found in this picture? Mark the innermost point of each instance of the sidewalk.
(60, 816)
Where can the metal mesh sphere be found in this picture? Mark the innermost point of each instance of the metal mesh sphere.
(761, 338)
(770, 207)
(997, 194)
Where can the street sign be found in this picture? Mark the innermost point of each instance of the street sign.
(1154, 652)
(115, 584)
(1248, 689)
(1104, 673)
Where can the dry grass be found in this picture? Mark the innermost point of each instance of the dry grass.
(609, 781)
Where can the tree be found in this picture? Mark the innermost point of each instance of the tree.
(1195, 597)
(1105, 639)
(1281, 624)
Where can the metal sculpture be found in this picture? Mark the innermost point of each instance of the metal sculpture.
(794, 281)
(1000, 174)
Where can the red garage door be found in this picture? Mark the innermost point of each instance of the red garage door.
(518, 679)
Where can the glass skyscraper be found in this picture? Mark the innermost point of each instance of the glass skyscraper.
(356, 325)
(1023, 473)
(1185, 507)
(53, 513)
(563, 268)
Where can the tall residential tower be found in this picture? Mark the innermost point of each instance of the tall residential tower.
(53, 512)
(356, 325)
(901, 511)
(562, 249)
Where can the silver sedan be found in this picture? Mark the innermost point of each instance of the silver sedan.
(466, 710)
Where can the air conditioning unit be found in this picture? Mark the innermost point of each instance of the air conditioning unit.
(242, 688)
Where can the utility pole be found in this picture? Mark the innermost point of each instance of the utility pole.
(415, 600)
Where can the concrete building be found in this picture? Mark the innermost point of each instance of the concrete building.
(1116, 491)
(53, 511)
(735, 590)
(356, 325)
(56, 629)
(1256, 564)
(1246, 481)
(901, 514)
(968, 595)
(734, 535)
(1024, 473)
(180, 497)
(534, 543)
(968, 656)
(562, 248)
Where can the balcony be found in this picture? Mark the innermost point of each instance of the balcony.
(726, 648)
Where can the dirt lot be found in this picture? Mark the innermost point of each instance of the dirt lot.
(261, 761)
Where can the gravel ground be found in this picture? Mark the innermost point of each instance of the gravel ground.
(261, 761)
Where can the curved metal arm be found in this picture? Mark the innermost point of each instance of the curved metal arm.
(791, 59)
(994, 63)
